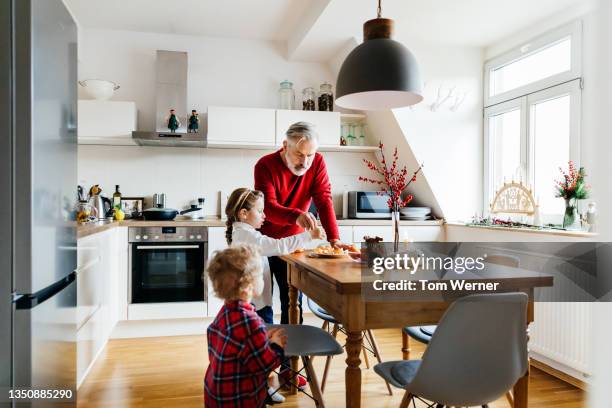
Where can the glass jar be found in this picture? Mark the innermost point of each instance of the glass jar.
(326, 97)
(286, 95)
(308, 99)
(85, 212)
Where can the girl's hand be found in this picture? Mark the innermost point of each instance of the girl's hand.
(277, 336)
(317, 233)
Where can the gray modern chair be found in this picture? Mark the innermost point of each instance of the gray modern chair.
(369, 343)
(423, 334)
(306, 342)
(477, 353)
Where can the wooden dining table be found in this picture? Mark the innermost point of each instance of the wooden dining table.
(336, 285)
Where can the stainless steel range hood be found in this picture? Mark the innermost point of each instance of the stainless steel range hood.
(170, 93)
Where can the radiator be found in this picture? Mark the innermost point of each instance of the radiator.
(562, 332)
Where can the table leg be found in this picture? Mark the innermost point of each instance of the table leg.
(405, 346)
(293, 319)
(352, 375)
(521, 391)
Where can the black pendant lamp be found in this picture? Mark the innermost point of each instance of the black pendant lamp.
(379, 74)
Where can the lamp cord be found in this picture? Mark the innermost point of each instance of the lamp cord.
(379, 9)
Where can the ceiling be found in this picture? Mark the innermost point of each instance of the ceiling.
(315, 29)
(254, 19)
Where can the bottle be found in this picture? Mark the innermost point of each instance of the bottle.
(286, 95)
(117, 198)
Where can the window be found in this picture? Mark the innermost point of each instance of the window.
(551, 59)
(533, 126)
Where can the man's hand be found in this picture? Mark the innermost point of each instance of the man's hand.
(306, 220)
(335, 243)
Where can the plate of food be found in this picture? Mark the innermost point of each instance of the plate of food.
(327, 251)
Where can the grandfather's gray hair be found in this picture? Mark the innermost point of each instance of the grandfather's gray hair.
(301, 131)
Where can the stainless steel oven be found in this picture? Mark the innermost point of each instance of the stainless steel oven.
(167, 264)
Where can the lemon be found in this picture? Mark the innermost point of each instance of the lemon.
(119, 215)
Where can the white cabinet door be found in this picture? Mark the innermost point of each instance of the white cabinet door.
(327, 125)
(240, 126)
(383, 231)
(421, 233)
(216, 242)
(89, 278)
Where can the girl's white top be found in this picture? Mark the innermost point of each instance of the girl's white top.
(243, 233)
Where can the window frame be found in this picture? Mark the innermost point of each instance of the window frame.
(572, 30)
(525, 104)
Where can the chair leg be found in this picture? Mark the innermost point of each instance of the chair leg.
(365, 356)
(313, 382)
(405, 346)
(328, 359)
(377, 354)
(406, 400)
(325, 325)
(510, 398)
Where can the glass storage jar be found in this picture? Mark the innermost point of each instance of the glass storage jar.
(308, 99)
(286, 95)
(326, 97)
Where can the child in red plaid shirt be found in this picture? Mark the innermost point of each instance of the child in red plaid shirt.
(241, 352)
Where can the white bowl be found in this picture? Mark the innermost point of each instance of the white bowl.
(99, 88)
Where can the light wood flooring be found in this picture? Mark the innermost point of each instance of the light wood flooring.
(168, 371)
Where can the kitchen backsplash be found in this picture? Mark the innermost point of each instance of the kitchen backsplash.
(187, 173)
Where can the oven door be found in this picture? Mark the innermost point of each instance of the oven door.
(167, 272)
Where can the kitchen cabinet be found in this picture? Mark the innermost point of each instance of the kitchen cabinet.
(216, 242)
(227, 126)
(327, 125)
(106, 122)
(101, 271)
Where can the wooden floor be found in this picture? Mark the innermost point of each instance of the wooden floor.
(168, 371)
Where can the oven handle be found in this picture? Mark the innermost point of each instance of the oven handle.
(167, 246)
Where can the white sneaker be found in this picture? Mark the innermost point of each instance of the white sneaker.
(276, 397)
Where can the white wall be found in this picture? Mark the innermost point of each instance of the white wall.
(227, 72)
(222, 71)
(448, 143)
(187, 173)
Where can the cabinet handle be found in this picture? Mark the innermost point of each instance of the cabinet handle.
(152, 247)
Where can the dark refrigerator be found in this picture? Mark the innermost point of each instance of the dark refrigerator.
(38, 175)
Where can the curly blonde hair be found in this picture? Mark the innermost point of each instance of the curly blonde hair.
(232, 270)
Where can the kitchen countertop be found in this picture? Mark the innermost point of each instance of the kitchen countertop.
(214, 221)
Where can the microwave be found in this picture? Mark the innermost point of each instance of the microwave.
(368, 204)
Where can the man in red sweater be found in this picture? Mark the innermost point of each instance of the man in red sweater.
(290, 179)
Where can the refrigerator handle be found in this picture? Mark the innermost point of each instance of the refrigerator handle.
(30, 300)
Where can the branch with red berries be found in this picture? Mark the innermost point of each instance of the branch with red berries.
(572, 185)
(394, 179)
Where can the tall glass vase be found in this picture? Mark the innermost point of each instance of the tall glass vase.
(570, 218)
(395, 220)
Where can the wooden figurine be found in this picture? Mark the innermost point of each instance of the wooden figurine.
(173, 121)
(194, 122)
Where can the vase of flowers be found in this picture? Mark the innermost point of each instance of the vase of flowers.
(572, 187)
(393, 181)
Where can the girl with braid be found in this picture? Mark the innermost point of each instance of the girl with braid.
(245, 215)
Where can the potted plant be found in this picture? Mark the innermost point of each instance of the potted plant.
(572, 188)
(393, 183)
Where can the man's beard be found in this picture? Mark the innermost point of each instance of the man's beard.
(293, 169)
